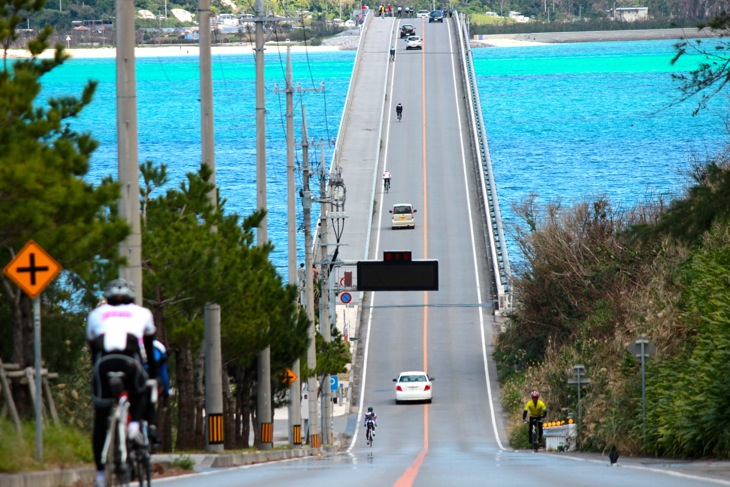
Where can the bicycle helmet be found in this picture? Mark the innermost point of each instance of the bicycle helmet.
(534, 394)
(370, 409)
(119, 291)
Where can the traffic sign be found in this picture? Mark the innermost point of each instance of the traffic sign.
(289, 377)
(345, 297)
(334, 382)
(32, 269)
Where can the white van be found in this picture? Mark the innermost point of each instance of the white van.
(403, 216)
(227, 19)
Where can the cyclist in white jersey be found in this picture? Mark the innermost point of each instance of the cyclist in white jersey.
(120, 336)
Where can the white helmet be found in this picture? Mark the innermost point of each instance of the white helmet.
(120, 287)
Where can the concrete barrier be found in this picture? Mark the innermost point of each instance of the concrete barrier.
(560, 438)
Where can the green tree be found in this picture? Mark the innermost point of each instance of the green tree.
(196, 254)
(43, 194)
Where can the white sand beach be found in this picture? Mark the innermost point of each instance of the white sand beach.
(350, 42)
(169, 51)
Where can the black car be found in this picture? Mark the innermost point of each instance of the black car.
(436, 16)
(407, 30)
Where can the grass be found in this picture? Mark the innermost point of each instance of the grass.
(62, 447)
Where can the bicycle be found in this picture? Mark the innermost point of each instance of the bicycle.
(386, 184)
(534, 433)
(370, 433)
(122, 460)
(399, 115)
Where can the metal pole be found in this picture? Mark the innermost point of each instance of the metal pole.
(38, 391)
(128, 162)
(263, 398)
(314, 427)
(324, 324)
(642, 344)
(295, 389)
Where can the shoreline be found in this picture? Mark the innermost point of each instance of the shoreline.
(350, 42)
(543, 38)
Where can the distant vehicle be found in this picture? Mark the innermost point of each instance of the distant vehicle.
(422, 14)
(436, 16)
(414, 42)
(403, 216)
(413, 385)
(227, 19)
(407, 30)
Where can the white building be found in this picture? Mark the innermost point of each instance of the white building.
(631, 14)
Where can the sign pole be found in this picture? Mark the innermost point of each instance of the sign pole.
(32, 269)
(38, 391)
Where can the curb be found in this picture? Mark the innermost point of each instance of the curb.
(86, 475)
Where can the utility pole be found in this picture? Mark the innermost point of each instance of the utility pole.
(295, 389)
(335, 198)
(127, 143)
(324, 273)
(314, 427)
(263, 396)
(212, 312)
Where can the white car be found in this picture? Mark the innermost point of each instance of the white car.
(414, 42)
(423, 13)
(413, 385)
(403, 216)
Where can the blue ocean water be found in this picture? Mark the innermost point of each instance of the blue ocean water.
(168, 91)
(573, 121)
(564, 121)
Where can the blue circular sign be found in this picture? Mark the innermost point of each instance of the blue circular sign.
(345, 297)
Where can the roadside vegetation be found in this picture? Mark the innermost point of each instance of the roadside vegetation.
(64, 447)
(596, 278)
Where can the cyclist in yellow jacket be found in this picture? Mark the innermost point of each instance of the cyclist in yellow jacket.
(537, 411)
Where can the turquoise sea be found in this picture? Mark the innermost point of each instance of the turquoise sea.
(564, 121)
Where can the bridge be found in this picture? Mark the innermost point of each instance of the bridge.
(439, 151)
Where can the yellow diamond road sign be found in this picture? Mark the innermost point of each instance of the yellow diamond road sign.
(289, 377)
(32, 269)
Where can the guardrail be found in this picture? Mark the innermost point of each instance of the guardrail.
(494, 232)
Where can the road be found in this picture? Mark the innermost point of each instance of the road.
(458, 439)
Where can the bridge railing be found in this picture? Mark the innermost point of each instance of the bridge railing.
(496, 242)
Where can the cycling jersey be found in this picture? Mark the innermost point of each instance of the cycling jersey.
(535, 410)
(371, 417)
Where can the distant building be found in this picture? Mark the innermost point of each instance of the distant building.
(631, 14)
(518, 17)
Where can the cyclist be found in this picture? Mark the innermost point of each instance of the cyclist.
(392, 53)
(371, 419)
(115, 329)
(537, 411)
(399, 110)
(160, 358)
(386, 181)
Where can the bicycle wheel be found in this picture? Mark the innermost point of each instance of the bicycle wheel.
(110, 446)
(141, 466)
